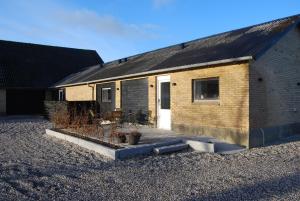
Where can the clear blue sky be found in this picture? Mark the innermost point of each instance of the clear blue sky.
(120, 28)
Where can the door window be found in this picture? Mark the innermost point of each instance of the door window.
(165, 95)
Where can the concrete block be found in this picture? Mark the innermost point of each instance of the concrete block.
(201, 146)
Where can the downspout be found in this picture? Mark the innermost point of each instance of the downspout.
(93, 98)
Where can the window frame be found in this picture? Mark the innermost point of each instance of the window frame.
(61, 95)
(205, 99)
(106, 89)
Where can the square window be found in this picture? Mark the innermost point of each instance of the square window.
(106, 95)
(206, 89)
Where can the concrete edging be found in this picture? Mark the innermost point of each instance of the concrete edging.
(146, 149)
(101, 149)
(114, 154)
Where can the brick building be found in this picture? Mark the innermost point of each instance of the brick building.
(242, 86)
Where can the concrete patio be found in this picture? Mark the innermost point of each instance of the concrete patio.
(152, 141)
(154, 135)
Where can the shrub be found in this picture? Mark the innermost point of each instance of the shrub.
(60, 119)
(52, 107)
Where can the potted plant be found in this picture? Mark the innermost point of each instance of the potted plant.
(120, 137)
(133, 137)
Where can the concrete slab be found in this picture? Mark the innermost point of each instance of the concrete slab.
(225, 148)
(201, 146)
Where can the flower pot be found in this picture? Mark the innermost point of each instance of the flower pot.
(133, 138)
(121, 139)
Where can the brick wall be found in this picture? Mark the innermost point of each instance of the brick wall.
(274, 99)
(274, 92)
(230, 115)
(81, 93)
(2, 101)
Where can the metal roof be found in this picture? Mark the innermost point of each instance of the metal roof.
(241, 43)
(25, 65)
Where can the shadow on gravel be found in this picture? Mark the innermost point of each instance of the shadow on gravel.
(274, 188)
(294, 138)
(34, 182)
(22, 118)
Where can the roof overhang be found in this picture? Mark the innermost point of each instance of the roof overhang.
(171, 69)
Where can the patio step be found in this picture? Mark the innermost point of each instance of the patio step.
(170, 148)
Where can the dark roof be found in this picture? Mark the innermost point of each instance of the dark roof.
(249, 41)
(24, 65)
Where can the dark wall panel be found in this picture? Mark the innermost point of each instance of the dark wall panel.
(25, 101)
(106, 106)
(134, 95)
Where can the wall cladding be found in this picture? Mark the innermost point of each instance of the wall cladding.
(2, 101)
(104, 107)
(134, 95)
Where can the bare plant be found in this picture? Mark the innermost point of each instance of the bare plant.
(60, 119)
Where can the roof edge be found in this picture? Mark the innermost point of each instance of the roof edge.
(203, 37)
(45, 45)
(278, 38)
(175, 68)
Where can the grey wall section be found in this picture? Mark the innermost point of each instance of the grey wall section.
(2, 101)
(275, 91)
(134, 95)
(25, 101)
(106, 107)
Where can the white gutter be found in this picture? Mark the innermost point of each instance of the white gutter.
(161, 71)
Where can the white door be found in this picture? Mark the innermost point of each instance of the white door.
(163, 102)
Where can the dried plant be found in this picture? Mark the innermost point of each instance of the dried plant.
(60, 119)
(113, 132)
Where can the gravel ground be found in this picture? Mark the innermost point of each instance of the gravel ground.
(34, 166)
